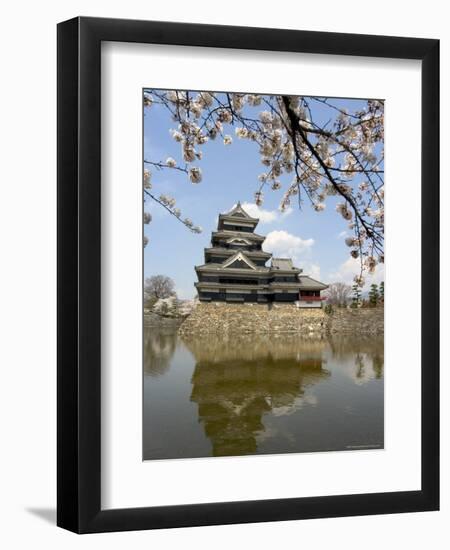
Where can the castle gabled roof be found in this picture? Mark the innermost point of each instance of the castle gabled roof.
(237, 216)
(238, 258)
(238, 212)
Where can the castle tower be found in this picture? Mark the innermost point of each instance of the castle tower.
(235, 268)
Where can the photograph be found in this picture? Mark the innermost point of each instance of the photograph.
(214, 359)
(263, 283)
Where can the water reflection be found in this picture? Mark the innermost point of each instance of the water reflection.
(362, 358)
(260, 394)
(239, 379)
(159, 347)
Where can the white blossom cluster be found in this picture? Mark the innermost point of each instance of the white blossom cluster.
(173, 307)
(340, 160)
(147, 179)
(166, 307)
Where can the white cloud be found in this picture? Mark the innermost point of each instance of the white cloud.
(352, 267)
(342, 234)
(311, 269)
(308, 398)
(285, 245)
(265, 216)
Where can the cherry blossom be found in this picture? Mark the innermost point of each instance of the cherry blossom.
(313, 161)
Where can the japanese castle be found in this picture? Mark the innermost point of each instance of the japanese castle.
(235, 268)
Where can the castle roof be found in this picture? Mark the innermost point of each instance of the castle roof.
(229, 234)
(238, 212)
(282, 263)
(229, 252)
(308, 283)
(250, 266)
(237, 216)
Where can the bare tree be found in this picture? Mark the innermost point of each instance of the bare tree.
(340, 154)
(157, 287)
(337, 294)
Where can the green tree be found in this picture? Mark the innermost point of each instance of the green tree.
(382, 292)
(373, 295)
(356, 298)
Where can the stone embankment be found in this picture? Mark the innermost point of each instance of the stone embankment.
(366, 321)
(219, 318)
(213, 318)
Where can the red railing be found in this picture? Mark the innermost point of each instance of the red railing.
(311, 298)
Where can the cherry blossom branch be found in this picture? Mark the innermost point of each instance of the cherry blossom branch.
(163, 201)
(161, 165)
(295, 124)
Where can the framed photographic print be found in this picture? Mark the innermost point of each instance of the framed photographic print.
(248, 290)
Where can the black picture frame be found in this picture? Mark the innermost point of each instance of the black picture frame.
(79, 276)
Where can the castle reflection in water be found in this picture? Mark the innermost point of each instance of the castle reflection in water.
(244, 385)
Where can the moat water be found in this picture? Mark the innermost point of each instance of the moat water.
(260, 394)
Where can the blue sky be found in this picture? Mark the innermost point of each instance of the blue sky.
(315, 240)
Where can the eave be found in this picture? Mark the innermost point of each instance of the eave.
(228, 234)
(206, 268)
(237, 219)
(308, 283)
(266, 287)
(230, 251)
(259, 269)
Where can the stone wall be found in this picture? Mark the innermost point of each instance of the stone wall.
(220, 318)
(215, 317)
(366, 321)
